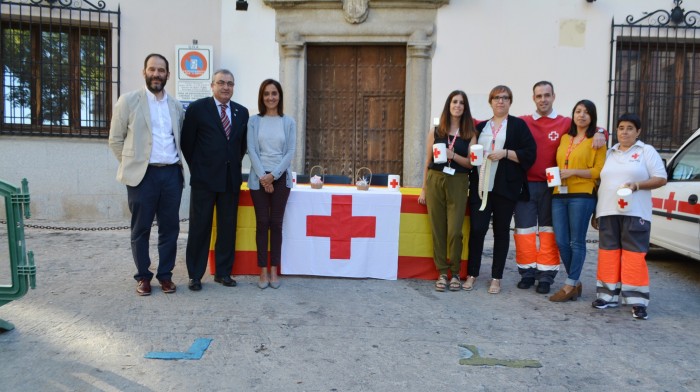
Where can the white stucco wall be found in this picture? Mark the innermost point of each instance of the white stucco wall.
(178, 23)
(249, 49)
(484, 43)
(74, 179)
(480, 43)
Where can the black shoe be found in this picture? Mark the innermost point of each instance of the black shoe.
(639, 312)
(542, 288)
(526, 283)
(225, 280)
(195, 284)
(603, 304)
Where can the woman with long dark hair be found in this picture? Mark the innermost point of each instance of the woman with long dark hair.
(445, 186)
(574, 201)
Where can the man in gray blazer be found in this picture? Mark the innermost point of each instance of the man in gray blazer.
(145, 138)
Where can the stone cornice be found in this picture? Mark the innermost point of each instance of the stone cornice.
(335, 4)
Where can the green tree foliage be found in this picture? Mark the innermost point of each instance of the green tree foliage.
(46, 71)
(16, 53)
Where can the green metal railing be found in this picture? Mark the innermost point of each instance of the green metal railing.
(22, 269)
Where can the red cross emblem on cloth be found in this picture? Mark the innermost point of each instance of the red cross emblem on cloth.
(550, 177)
(622, 203)
(436, 152)
(635, 155)
(394, 183)
(341, 226)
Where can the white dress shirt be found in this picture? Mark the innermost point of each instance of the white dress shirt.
(163, 150)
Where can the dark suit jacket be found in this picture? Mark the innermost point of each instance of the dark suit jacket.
(511, 177)
(206, 149)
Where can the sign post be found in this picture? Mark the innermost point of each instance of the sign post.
(194, 73)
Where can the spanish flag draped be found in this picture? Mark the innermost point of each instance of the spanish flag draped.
(415, 259)
(415, 239)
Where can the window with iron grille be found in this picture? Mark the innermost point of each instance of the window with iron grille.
(57, 69)
(660, 82)
(656, 74)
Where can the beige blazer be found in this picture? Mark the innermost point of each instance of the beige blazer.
(131, 138)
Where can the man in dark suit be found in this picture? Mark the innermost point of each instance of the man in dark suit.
(213, 144)
(145, 138)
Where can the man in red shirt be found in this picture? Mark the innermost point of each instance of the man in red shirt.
(535, 216)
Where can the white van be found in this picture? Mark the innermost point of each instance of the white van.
(676, 210)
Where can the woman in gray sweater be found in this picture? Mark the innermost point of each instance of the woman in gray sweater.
(271, 144)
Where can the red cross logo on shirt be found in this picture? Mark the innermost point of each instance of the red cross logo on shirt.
(394, 183)
(341, 226)
(550, 177)
(436, 152)
(622, 203)
(553, 136)
(635, 155)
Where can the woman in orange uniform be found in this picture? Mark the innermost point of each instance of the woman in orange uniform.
(625, 224)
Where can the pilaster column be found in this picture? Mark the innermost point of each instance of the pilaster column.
(293, 80)
(417, 110)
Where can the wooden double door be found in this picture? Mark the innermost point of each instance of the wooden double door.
(355, 108)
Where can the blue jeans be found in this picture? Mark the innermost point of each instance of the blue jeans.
(571, 217)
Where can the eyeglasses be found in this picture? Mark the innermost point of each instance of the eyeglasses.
(501, 98)
(221, 83)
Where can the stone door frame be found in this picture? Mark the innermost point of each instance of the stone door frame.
(347, 22)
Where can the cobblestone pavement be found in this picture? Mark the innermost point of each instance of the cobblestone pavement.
(84, 329)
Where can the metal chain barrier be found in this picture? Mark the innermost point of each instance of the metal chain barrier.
(66, 228)
(110, 228)
(587, 240)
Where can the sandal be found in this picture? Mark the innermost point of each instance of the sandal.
(469, 283)
(495, 286)
(455, 284)
(441, 283)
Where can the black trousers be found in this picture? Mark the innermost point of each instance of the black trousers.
(157, 196)
(269, 215)
(502, 210)
(202, 203)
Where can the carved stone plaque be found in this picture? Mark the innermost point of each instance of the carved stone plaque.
(355, 11)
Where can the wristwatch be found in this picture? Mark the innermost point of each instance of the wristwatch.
(600, 130)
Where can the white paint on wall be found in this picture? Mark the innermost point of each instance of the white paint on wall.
(249, 49)
(484, 43)
(572, 32)
(480, 43)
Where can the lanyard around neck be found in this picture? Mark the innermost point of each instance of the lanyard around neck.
(572, 147)
(494, 132)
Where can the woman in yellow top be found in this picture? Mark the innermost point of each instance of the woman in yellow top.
(573, 202)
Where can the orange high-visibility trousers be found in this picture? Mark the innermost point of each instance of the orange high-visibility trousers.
(526, 247)
(622, 274)
(548, 256)
(542, 264)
